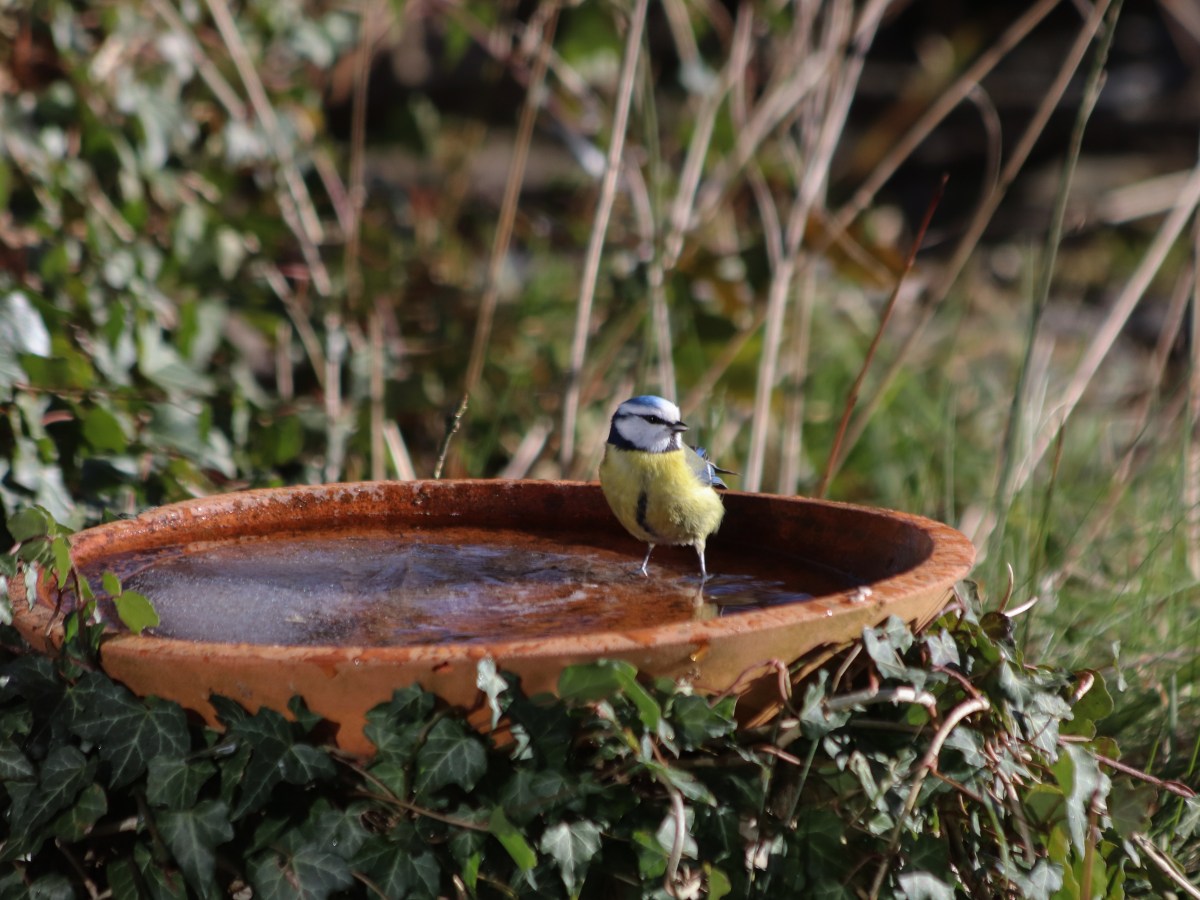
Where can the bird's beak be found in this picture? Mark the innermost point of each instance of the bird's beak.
(679, 427)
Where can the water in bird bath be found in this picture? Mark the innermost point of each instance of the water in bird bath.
(375, 588)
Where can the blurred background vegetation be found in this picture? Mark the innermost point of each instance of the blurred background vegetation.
(262, 243)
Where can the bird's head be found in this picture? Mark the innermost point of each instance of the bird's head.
(647, 423)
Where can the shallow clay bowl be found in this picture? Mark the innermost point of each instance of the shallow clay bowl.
(795, 580)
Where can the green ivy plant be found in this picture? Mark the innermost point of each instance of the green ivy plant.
(933, 765)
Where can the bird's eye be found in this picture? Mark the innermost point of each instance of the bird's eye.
(655, 420)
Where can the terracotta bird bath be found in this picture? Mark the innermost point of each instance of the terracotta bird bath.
(343, 593)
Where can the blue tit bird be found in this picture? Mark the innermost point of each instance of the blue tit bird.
(661, 490)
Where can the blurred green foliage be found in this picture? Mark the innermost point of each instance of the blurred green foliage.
(141, 238)
(190, 302)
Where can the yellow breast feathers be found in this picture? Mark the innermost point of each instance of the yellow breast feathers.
(661, 498)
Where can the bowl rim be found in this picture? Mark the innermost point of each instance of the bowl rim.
(950, 559)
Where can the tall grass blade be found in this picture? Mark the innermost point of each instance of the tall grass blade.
(1041, 298)
(591, 269)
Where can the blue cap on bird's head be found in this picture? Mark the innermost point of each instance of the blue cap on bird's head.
(647, 423)
(650, 404)
(653, 400)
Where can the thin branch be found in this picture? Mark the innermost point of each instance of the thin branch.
(1191, 468)
(608, 190)
(928, 763)
(1173, 787)
(946, 103)
(1041, 300)
(299, 317)
(1166, 865)
(296, 204)
(452, 425)
(1122, 308)
(836, 457)
(983, 215)
(677, 841)
(547, 12)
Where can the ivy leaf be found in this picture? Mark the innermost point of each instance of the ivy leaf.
(493, 686)
(127, 731)
(816, 720)
(305, 717)
(697, 720)
(54, 886)
(592, 682)
(175, 783)
(122, 878)
(64, 775)
(30, 523)
(1131, 805)
(885, 645)
(605, 679)
(545, 726)
(683, 781)
(15, 765)
(1093, 706)
(136, 611)
(573, 846)
(651, 857)
(1042, 882)
(306, 764)
(274, 757)
(338, 829)
(102, 430)
(451, 755)
(229, 711)
(923, 886)
(192, 836)
(719, 884)
(399, 870)
(22, 330)
(531, 792)
(1079, 776)
(311, 871)
(164, 882)
(942, 650)
(512, 840)
(821, 832)
(75, 824)
(395, 727)
(31, 678)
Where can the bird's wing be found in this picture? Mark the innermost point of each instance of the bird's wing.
(704, 468)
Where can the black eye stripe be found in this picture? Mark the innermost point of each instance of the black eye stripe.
(650, 418)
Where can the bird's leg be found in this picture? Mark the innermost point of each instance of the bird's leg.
(646, 561)
(704, 576)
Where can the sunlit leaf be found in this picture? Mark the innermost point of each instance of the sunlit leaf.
(512, 839)
(923, 886)
(136, 611)
(29, 523)
(1082, 782)
(572, 845)
(103, 431)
